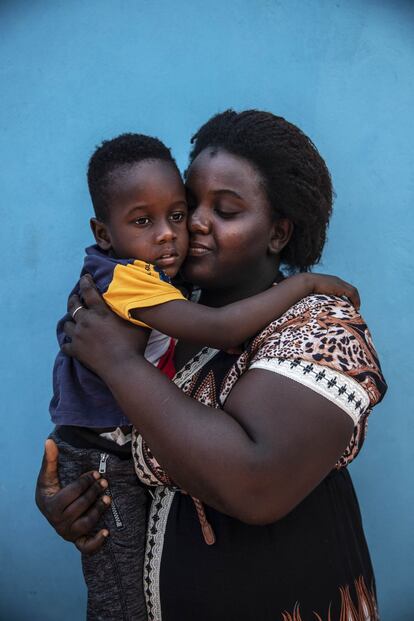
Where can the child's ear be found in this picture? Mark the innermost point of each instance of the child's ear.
(280, 234)
(101, 234)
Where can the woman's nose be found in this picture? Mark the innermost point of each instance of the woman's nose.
(199, 221)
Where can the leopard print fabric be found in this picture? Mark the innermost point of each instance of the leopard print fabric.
(324, 332)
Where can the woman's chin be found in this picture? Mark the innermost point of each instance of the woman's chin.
(197, 271)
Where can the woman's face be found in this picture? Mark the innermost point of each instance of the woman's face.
(230, 222)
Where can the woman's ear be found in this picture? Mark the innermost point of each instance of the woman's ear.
(281, 232)
(101, 234)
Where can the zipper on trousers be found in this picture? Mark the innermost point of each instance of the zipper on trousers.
(102, 463)
(115, 512)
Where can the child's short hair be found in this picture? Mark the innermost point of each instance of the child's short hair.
(124, 150)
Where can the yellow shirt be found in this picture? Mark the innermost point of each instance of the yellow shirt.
(138, 285)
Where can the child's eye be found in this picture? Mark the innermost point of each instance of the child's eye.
(178, 216)
(142, 221)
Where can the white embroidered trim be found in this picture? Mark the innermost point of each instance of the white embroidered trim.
(143, 472)
(340, 389)
(157, 522)
(194, 365)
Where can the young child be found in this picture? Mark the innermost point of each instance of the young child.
(141, 237)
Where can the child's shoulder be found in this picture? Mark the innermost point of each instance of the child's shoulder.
(101, 265)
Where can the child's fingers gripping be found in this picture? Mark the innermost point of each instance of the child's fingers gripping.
(339, 287)
(91, 544)
(352, 294)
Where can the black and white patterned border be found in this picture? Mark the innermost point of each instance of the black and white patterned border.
(340, 389)
(143, 472)
(161, 504)
(157, 522)
(194, 365)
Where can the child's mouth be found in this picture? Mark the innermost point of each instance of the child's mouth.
(167, 259)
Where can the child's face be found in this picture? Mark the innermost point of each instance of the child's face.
(148, 216)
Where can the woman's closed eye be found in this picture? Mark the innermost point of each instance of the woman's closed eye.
(226, 212)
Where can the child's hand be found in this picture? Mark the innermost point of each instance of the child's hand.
(332, 285)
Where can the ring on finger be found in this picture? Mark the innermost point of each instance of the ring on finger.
(76, 310)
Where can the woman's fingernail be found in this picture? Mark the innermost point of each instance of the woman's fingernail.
(106, 500)
(103, 483)
(105, 533)
(96, 475)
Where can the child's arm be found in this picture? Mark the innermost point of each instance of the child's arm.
(233, 324)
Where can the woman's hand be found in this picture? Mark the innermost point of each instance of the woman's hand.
(74, 510)
(99, 338)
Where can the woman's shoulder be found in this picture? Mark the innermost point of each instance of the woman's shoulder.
(323, 343)
(324, 331)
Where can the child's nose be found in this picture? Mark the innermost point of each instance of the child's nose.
(165, 233)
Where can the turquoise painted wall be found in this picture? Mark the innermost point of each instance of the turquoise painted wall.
(73, 73)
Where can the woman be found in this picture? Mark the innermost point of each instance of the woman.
(261, 437)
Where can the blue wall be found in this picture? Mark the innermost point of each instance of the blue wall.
(74, 73)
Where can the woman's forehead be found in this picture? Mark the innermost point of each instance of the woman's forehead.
(215, 170)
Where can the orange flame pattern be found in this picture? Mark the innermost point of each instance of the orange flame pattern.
(364, 610)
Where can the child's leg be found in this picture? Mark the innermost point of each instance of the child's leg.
(114, 574)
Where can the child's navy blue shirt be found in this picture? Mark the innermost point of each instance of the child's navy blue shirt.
(80, 397)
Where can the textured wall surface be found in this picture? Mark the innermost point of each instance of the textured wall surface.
(73, 73)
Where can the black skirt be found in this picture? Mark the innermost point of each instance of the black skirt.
(313, 564)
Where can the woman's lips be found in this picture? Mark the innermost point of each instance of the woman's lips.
(198, 250)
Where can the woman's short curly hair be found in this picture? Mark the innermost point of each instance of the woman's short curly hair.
(295, 177)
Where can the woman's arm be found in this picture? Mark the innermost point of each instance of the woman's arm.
(275, 441)
(233, 324)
